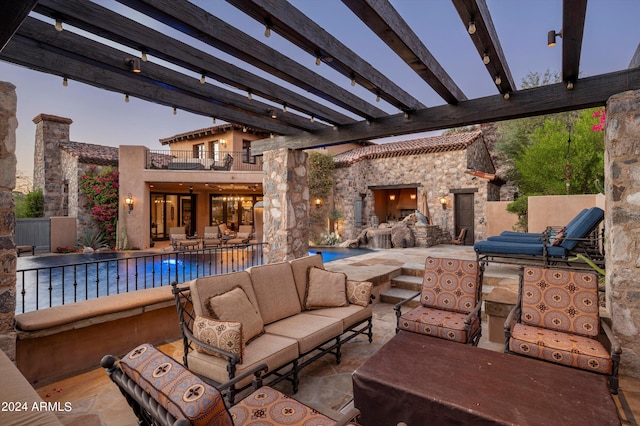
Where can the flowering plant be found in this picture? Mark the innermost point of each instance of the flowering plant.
(101, 190)
(603, 119)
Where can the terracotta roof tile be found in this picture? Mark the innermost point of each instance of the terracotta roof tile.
(195, 134)
(92, 154)
(441, 143)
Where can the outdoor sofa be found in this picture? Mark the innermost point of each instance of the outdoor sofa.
(580, 236)
(284, 315)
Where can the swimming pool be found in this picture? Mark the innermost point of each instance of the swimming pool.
(333, 253)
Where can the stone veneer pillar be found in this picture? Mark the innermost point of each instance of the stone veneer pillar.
(47, 166)
(622, 223)
(286, 205)
(8, 125)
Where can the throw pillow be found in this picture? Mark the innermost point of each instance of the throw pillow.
(226, 335)
(210, 235)
(325, 289)
(179, 236)
(234, 305)
(557, 239)
(359, 292)
(242, 235)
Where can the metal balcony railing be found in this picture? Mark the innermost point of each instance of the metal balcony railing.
(207, 160)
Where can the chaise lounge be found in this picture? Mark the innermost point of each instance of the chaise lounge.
(579, 237)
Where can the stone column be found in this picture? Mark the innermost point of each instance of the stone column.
(47, 165)
(286, 205)
(8, 125)
(622, 216)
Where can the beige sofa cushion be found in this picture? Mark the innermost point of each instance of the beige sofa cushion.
(235, 306)
(349, 315)
(309, 330)
(275, 290)
(299, 267)
(226, 335)
(359, 292)
(202, 289)
(325, 289)
(275, 351)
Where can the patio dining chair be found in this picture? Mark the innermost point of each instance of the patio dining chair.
(178, 238)
(243, 235)
(211, 237)
(450, 301)
(557, 319)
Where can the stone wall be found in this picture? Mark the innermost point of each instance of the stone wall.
(622, 216)
(47, 163)
(434, 173)
(286, 205)
(8, 126)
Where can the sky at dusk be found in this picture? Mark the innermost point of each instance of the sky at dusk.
(611, 38)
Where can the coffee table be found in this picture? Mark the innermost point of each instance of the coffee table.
(421, 380)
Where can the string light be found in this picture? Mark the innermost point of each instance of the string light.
(65, 82)
(472, 27)
(353, 80)
(126, 98)
(406, 114)
(570, 85)
(202, 79)
(486, 59)
(175, 110)
(284, 107)
(498, 80)
(244, 129)
(318, 61)
(143, 56)
(58, 25)
(213, 120)
(507, 96)
(312, 119)
(249, 95)
(267, 31)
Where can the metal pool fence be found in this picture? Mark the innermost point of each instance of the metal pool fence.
(111, 273)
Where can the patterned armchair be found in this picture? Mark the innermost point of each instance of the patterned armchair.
(557, 319)
(211, 237)
(162, 392)
(449, 301)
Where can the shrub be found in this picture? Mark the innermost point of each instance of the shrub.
(101, 190)
(93, 238)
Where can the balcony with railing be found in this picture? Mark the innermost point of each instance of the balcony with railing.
(203, 160)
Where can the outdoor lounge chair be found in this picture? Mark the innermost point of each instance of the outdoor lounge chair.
(224, 165)
(450, 301)
(243, 235)
(579, 237)
(211, 237)
(163, 392)
(557, 319)
(179, 239)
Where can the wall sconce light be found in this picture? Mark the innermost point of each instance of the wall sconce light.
(551, 37)
(129, 202)
(412, 196)
(134, 64)
(223, 142)
(443, 202)
(318, 203)
(392, 197)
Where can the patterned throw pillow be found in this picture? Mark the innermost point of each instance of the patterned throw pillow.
(210, 235)
(242, 235)
(234, 305)
(325, 289)
(179, 236)
(226, 335)
(359, 292)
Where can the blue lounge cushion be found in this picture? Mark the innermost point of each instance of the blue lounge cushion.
(582, 227)
(510, 248)
(527, 239)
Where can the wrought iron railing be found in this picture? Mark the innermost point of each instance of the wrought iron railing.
(48, 286)
(207, 160)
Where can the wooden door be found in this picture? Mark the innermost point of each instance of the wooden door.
(464, 217)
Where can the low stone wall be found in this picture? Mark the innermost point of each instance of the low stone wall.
(63, 341)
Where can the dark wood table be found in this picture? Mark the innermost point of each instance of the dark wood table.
(422, 380)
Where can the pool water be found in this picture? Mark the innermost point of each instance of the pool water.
(333, 253)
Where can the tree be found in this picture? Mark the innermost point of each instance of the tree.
(101, 190)
(30, 204)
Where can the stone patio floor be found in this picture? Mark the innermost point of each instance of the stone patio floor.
(323, 385)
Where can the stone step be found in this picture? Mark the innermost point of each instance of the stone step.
(395, 295)
(407, 282)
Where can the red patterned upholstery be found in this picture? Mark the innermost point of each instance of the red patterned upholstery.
(267, 406)
(562, 348)
(561, 300)
(438, 323)
(180, 392)
(450, 284)
(557, 319)
(449, 301)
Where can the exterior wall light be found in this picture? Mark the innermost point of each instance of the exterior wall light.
(318, 203)
(392, 197)
(129, 202)
(444, 201)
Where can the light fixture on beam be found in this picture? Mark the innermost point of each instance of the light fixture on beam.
(213, 120)
(498, 80)
(143, 55)
(569, 85)
(551, 37)
(312, 119)
(284, 107)
(378, 97)
(133, 64)
(507, 96)
(471, 27)
(318, 60)
(202, 79)
(273, 113)
(353, 80)
(126, 97)
(267, 31)
(486, 59)
(175, 110)
(249, 95)
(65, 82)
(58, 25)
(406, 115)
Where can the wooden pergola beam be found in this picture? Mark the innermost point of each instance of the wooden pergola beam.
(388, 25)
(588, 92)
(13, 13)
(198, 23)
(486, 41)
(117, 77)
(296, 27)
(96, 19)
(69, 44)
(573, 16)
(635, 60)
